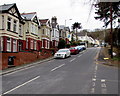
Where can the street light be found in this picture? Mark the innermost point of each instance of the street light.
(66, 21)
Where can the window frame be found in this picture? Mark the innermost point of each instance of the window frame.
(20, 30)
(31, 44)
(14, 45)
(9, 49)
(14, 25)
(1, 43)
(3, 21)
(9, 23)
(35, 46)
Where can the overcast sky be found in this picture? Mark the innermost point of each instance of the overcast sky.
(77, 10)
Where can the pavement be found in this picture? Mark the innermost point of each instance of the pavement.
(104, 58)
(24, 66)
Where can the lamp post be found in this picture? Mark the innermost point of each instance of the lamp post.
(66, 29)
(66, 21)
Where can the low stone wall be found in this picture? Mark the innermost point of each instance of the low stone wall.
(24, 57)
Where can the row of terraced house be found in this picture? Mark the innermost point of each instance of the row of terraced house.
(25, 38)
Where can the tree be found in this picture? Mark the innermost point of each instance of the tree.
(76, 26)
(103, 11)
(61, 44)
(107, 12)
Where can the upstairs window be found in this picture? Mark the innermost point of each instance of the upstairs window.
(43, 31)
(53, 33)
(2, 22)
(20, 30)
(15, 26)
(9, 23)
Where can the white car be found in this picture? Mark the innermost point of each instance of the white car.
(62, 53)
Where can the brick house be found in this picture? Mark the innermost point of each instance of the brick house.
(45, 33)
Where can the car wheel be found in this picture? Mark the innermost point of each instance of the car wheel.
(65, 56)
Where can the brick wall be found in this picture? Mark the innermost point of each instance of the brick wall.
(24, 57)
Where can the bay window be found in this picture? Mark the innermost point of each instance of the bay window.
(1, 43)
(35, 45)
(8, 44)
(31, 44)
(42, 43)
(14, 45)
(26, 43)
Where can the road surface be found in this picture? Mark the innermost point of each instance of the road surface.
(78, 74)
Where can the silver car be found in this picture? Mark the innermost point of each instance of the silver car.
(62, 53)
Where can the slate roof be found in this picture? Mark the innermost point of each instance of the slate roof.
(62, 27)
(43, 21)
(6, 7)
(28, 16)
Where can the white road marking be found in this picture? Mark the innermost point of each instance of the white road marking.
(72, 59)
(96, 67)
(103, 85)
(104, 91)
(102, 80)
(94, 79)
(21, 85)
(93, 90)
(51, 60)
(79, 55)
(57, 67)
(95, 76)
(93, 84)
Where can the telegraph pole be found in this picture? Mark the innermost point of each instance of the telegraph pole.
(111, 30)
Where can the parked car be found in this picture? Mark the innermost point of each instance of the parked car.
(83, 46)
(62, 53)
(96, 45)
(74, 50)
(80, 48)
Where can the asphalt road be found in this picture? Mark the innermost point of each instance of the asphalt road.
(78, 74)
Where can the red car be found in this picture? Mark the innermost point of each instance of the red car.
(73, 50)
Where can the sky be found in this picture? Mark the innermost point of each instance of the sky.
(64, 10)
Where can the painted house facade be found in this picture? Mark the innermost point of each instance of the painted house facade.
(67, 31)
(11, 31)
(31, 31)
(64, 33)
(45, 33)
(55, 32)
